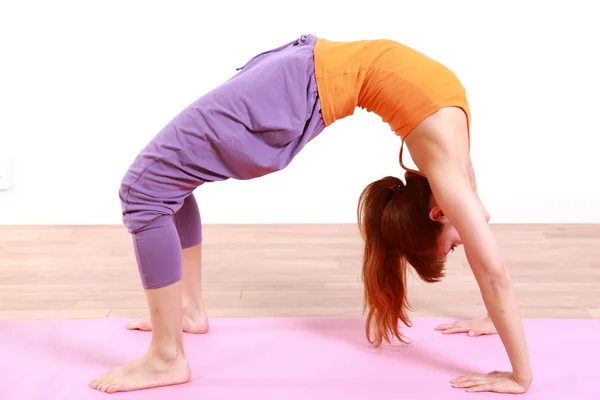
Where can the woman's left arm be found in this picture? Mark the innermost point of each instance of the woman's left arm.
(454, 195)
(439, 148)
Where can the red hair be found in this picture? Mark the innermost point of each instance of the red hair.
(395, 225)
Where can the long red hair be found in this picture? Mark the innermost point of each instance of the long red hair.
(394, 222)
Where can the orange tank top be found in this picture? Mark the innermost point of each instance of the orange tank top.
(394, 81)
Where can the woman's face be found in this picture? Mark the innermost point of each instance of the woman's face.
(449, 239)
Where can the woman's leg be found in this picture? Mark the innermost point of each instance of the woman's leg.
(158, 251)
(189, 228)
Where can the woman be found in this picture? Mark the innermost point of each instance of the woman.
(255, 124)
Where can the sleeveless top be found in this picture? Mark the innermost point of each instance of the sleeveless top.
(394, 81)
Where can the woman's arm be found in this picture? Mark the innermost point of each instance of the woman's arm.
(455, 197)
(474, 185)
(439, 148)
(475, 326)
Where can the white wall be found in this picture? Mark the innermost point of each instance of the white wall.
(85, 84)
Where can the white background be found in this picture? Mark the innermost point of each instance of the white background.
(84, 85)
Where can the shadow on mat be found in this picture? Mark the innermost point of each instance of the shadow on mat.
(352, 332)
(50, 341)
(56, 342)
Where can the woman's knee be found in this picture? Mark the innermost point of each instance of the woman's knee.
(136, 208)
(141, 208)
(125, 209)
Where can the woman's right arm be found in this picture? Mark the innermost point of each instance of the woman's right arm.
(474, 326)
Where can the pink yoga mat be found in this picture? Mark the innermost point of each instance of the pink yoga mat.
(302, 358)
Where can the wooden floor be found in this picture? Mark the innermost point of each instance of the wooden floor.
(285, 271)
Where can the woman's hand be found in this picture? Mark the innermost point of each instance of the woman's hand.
(497, 381)
(473, 327)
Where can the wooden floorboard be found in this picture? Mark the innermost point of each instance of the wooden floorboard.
(285, 271)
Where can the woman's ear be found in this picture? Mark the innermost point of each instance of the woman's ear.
(436, 214)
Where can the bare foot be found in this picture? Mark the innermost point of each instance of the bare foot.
(144, 373)
(192, 322)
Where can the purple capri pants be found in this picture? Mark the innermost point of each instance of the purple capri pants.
(252, 125)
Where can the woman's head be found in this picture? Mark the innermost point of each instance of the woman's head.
(400, 224)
